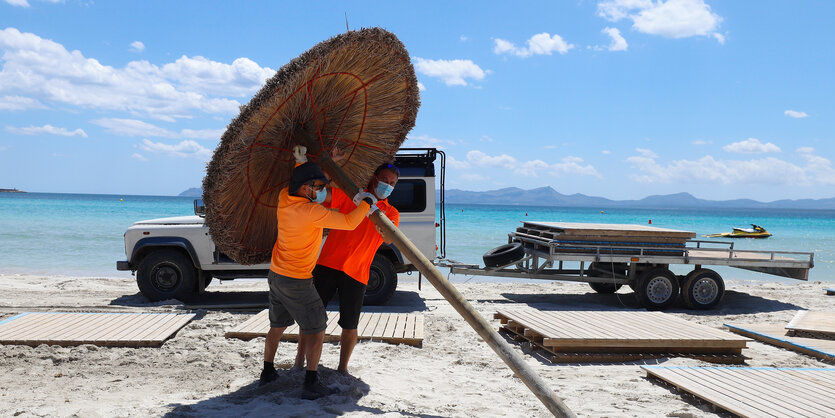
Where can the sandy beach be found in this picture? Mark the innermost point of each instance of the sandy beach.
(199, 372)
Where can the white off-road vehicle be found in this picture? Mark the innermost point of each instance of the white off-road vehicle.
(176, 257)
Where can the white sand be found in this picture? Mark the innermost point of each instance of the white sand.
(200, 373)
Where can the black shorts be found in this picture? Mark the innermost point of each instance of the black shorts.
(351, 293)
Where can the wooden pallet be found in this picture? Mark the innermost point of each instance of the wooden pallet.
(619, 335)
(756, 392)
(610, 230)
(813, 324)
(97, 328)
(394, 328)
(823, 349)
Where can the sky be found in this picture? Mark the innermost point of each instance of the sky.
(615, 98)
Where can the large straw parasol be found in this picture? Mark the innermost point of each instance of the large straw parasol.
(356, 91)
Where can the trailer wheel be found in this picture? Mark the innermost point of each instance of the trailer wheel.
(596, 270)
(657, 289)
(504, 254)
(702, 289)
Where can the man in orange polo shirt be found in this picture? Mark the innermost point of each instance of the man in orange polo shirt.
(293, 297)
(346, 258)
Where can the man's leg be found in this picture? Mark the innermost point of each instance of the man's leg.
(299, 363)
(313, 350)
(271, 343)
(325, 285)
(346, 347)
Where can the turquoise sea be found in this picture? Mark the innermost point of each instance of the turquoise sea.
(81, 234)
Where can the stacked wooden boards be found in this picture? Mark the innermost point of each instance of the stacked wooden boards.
(605, 336)
(810, 333)
(613, 238)
(394, 328)
(98, 328)
(756, 392)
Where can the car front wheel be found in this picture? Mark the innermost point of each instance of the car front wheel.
(166, 274)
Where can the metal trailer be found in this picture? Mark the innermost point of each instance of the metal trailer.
(645, 268)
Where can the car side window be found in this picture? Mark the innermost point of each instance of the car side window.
(409, 195)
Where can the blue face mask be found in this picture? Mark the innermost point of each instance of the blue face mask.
(321, 195)
(383, 190)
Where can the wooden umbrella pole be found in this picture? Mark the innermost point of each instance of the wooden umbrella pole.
(449, 292)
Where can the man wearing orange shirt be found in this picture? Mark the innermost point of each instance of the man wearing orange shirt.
(293, 297)
(346, 258)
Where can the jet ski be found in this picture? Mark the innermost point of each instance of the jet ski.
(755, 231)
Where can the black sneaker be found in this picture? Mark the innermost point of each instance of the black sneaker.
(267, 376)
(317, 390)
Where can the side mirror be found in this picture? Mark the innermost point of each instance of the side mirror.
(199, 208)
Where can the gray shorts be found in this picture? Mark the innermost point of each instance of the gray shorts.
(296, 300)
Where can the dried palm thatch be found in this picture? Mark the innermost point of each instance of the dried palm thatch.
(357, 91)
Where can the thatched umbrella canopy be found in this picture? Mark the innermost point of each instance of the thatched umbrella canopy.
(356, 91)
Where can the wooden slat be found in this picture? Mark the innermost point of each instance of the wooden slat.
(99, 328)
(621, 329)
(776, 335)
(756, 391)
(813, 322)
(395, 328)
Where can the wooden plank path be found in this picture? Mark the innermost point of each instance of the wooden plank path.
(813, 324)
(97, 328)
(755, 391)
(605, 336)
(394, 328)
(777, 335)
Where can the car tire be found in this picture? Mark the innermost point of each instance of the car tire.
(382, 281)
(601, 270)
(504, 254)
(166, 274)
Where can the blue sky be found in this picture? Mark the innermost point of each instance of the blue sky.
(614, 98)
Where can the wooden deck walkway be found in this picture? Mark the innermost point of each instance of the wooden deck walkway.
(777, 335)
(606, 336)
(813, 324)
(394, 328)
(756, 392)
(97, 328)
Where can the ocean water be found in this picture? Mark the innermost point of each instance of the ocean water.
(81, 234)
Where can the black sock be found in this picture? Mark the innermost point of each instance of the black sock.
(310, 377)
(268, 365)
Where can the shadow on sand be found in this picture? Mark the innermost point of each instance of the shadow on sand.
(734, 303)
(283, 398)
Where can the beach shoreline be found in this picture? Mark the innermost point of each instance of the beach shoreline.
(199, 372)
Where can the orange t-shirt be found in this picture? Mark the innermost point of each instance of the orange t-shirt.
(300, 224)
(353, 251)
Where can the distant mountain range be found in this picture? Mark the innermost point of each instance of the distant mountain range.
(547, 196)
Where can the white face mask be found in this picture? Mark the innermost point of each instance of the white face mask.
(321, 195)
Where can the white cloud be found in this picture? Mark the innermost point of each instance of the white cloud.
(185, 149)
(473, 177)
(46, 130)
(426, 141)
(539, 44)
(451, 72)
(485, 138)
(421, 87)
(670, 19)
(710, 170)
(133, 127)
(551, 146)
(701, 142)
(137, 156)
(805, 150)
(19, 103)
(569, 165)
(606, 152)
(751, 146)
(795, 114)
(137, 46)
(646, 153)
(617, 43)
(44, 70)
(455, 163)
(463, 38)
(18, 3)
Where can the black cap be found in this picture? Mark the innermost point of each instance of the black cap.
(305, 173)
